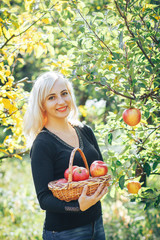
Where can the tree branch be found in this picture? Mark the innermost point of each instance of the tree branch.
(144, 96)
(94, 31)
(7, 41)
(150, 94)
(21, 81)
(141, 147)
(12, 155)
(13, 36)
(152, 37)
(111, 89)
(139, 44)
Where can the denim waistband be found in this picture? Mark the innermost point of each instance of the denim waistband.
(92, 231)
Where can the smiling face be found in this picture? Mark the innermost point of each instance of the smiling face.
(58, 102)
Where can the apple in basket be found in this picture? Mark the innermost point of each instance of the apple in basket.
(80, 174)
(98, 168)
(66, 173)
(62, 180)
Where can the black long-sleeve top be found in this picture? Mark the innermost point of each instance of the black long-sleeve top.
(49, 159)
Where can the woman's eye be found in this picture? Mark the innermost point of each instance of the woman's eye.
(65, 93)
(51, 98)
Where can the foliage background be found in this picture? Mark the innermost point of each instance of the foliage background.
(110, 51)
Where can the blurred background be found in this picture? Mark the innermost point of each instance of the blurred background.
(110, 52)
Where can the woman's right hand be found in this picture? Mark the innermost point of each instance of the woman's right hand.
(86, 202)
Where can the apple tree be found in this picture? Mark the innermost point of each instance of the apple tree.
(124, 42)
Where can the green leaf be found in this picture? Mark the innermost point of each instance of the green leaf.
(155, 164)
(147, 169)
(85, 11)
(146, 114)
(153, 18)
(147, 205)
(122, 181)
(138, 25)
(134, 81)
(116, 56)
(103, 80)
(157, 201)
(110, 137)
(133, 199)
(149, 68)
(118, 163)
(98, 14)
(149, 190)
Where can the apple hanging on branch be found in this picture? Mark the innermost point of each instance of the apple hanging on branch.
(133, 187)
(131, 116)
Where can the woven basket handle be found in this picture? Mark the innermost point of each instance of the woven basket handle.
(71, 162)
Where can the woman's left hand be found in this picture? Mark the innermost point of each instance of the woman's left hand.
(86, 202)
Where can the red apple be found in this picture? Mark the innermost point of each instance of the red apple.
(133, 187)
(98, 168)
(66, 173)
(80, 174)
(62, 180)
(131, 116)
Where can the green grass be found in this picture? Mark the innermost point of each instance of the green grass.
(22, 219)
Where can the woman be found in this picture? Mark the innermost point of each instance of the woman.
(51, 121)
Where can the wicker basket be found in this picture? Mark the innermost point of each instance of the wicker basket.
(72, 190)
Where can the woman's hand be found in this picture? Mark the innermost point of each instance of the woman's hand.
(86, 202)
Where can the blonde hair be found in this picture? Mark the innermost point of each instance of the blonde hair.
(34, 116)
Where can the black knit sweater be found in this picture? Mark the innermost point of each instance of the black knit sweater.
(49, 159)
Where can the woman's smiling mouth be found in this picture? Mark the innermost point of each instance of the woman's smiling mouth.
(62, 109)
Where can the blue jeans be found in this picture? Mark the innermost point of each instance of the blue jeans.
(93, 231)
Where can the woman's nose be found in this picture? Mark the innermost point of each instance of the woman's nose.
(60, 100)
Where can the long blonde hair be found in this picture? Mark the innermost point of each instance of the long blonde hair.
(34, 116)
